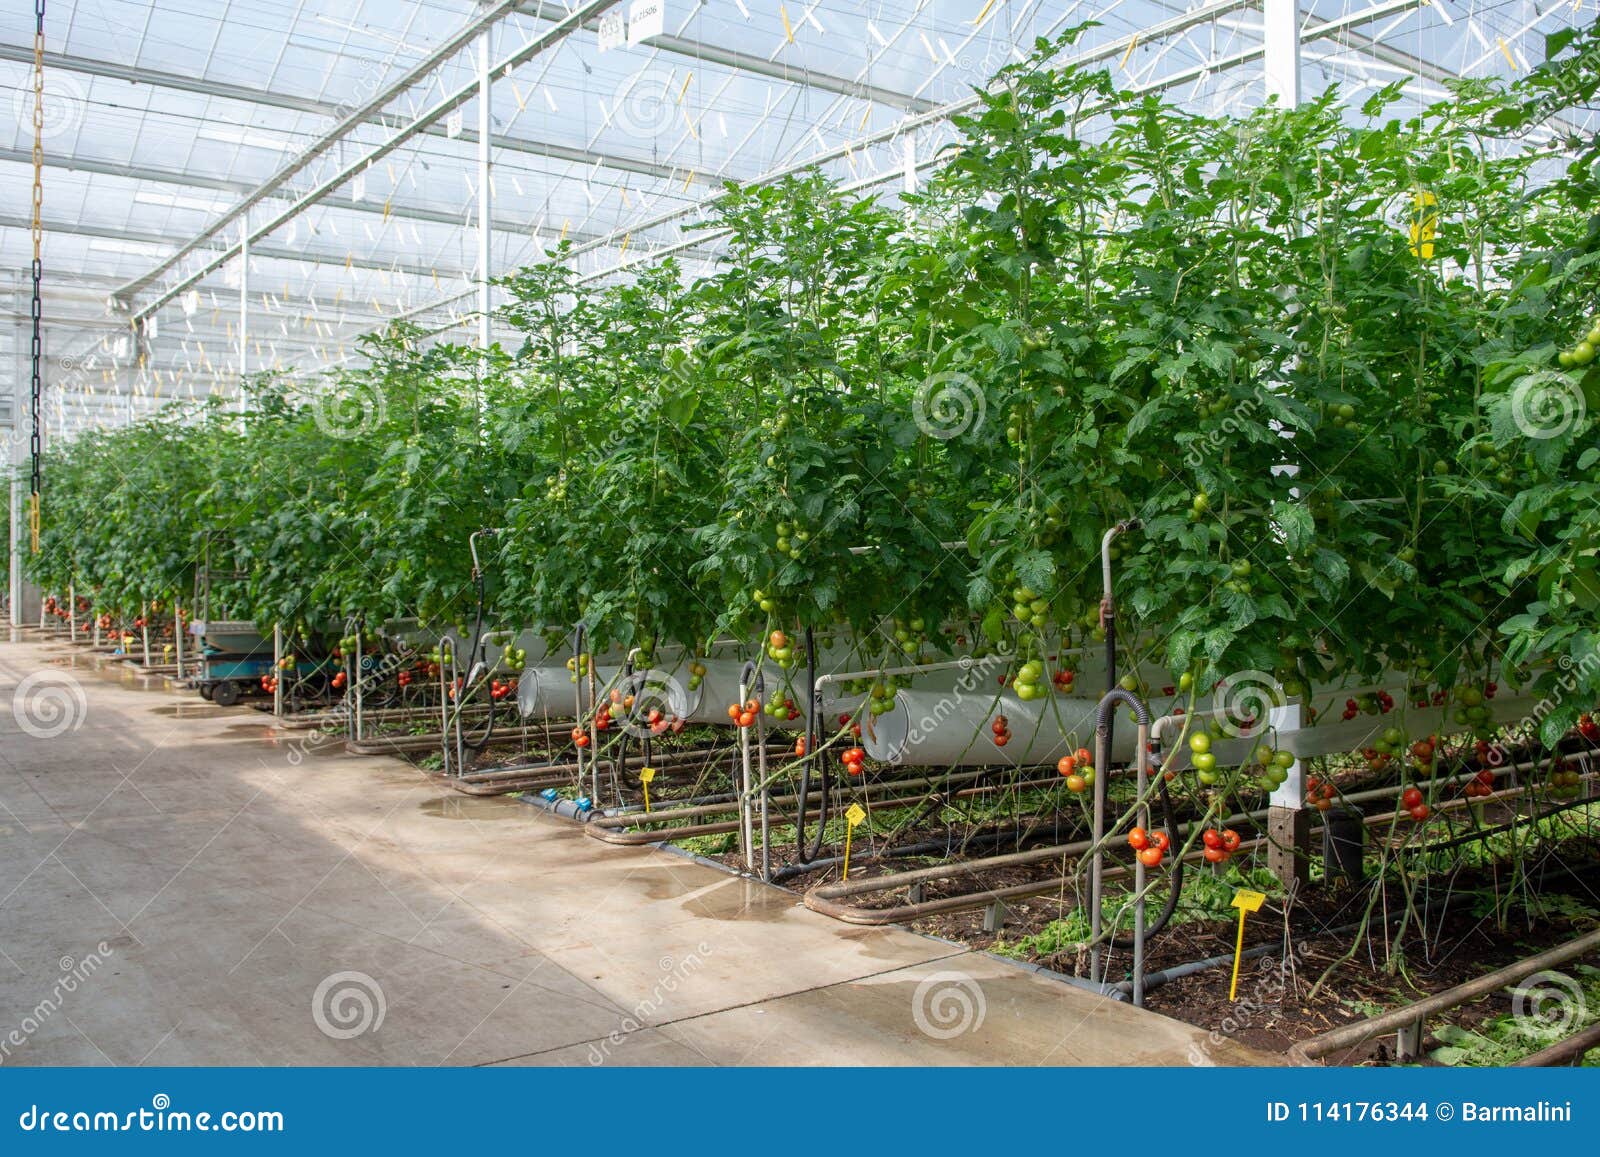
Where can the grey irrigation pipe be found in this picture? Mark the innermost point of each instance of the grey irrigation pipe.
(604, 831)
(720, 803)
(825, 898)
(1409, 1021)
(1566, 1052)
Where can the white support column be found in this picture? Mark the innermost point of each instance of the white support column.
(485, 194)
(1281, 34)
(244, 307)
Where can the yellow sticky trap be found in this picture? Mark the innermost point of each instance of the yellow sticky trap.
(645, 776)
(852, 817)
(788, 29)
(1246, 901)
(1424, 225)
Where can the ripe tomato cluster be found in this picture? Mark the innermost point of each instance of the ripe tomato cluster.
(1320, 793)
(744, 714)
(1078, 768)
(1411, 799)
(1588, 728)
(340, 678)
(1220, 845)
(1001, 730)
(499, 688)
(269, 683)
(580, 736)
(1479, 785)
(1373, 703)
(1150, 846)
(853, 759)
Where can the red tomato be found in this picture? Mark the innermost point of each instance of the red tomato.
(1138, 839)
(1151, 857)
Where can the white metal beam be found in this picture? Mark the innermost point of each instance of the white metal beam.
(413, 76)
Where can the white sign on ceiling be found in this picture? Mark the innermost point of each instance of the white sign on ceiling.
(613, 30)
(646, 18)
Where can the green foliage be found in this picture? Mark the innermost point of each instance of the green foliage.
(1313, 350)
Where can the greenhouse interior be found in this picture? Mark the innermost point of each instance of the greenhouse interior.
(987, 533)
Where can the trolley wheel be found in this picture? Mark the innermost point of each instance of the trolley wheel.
(226, 693)
(205, 691)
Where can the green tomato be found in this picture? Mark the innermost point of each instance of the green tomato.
(1205, 761)
(1582, 353)
(1283, 759)
(1185, 681)
(1199, 743)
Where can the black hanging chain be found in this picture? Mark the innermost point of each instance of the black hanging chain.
(37, 396)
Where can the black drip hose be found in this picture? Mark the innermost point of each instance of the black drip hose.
(814, 709)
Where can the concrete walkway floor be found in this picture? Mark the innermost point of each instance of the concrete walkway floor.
(178, 887)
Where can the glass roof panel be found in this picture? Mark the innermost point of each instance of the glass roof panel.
(164, 117)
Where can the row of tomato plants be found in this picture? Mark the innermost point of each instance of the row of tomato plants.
(1334, 359)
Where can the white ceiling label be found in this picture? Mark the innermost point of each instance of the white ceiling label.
(646, 18)
(358, 186)
(612, 30)
(452, 125)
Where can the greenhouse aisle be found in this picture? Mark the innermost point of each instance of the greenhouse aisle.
(180, 885)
